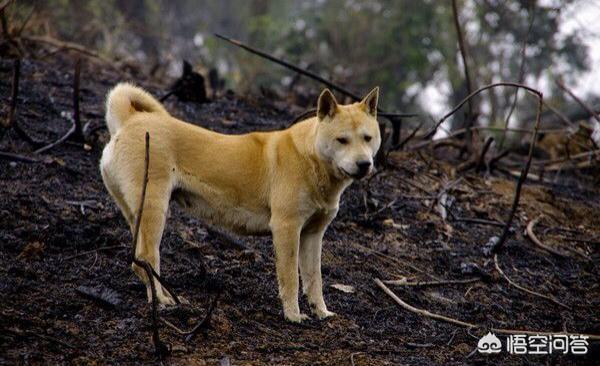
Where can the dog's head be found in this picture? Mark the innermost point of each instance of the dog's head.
(348, 135)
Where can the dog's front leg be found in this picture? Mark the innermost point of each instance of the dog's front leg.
(311, 241)
(286, 240)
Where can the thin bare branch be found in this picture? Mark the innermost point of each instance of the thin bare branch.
(524, 289)
(160, 348)
(461, 323)
(522, 177)
(584, 105)
(531, 235)
(310, 74)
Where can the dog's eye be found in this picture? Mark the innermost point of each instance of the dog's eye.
(368, 138)
(342, 140)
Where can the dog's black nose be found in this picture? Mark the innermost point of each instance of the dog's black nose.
(363, 167)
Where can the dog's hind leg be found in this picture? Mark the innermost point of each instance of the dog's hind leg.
(152, 225)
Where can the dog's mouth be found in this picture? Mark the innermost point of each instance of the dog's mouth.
(352, 176)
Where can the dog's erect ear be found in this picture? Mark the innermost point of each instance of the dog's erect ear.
(327, 105)
(369, 102)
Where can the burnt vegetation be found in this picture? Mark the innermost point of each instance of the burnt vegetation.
(450, 239)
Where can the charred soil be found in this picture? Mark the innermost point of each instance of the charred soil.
(69, 295)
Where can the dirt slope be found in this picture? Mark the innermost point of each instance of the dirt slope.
(52, 212)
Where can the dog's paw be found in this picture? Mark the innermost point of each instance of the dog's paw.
(323, 313)
(296, 318)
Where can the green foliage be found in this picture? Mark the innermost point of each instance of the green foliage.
(400, 45)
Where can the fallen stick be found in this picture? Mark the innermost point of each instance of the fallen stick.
(57, 142)
(461, 323)
(16, 157)
(524, 289)
(201, 324)
(531, 235)
(475, 220)
(404, 282)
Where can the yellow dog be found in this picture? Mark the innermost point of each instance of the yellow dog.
(286, 182)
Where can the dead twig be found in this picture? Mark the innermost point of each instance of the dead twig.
(16, 157)
(531, 235)
(200, 325)
(475, 220)
(11, 121)
(159, 347)
(59, 141)
(404, 282)
(531, 90)
(524, 289)
(461, 323)
(523, 176)
(584, 105)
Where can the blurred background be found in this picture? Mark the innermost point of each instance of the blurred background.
(409, 48)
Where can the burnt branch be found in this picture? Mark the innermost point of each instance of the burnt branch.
(15, 157)
(584, 105)
(525, 289)
(78, 133)
(11, 121)
(531, 90)
(523, 176)
(428, 314)
(309, 74)
(59, 141)
(160, 348)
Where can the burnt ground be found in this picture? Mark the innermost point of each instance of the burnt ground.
(55, 213)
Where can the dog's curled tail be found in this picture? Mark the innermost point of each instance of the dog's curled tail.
(125, 100)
